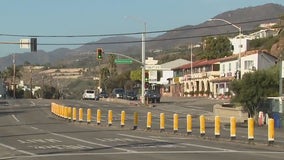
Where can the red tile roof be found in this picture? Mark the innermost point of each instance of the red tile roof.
(206, 62)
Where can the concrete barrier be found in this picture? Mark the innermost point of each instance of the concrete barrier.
(226, 112)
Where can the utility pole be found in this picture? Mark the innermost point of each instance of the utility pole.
(143, 66)
(280, 75)
(14, 76)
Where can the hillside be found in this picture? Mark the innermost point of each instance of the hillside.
(173, 39)
(239, 17)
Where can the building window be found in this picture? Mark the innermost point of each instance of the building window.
(248, 64)
(230, 67)
(237, 65)
(223, 68)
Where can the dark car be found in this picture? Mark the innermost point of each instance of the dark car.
(152, 96)
(103, 94)
(130, 95)
(117, 93)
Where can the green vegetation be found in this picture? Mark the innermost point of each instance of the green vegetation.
(254, 87)
(216, 47)
(263, 43)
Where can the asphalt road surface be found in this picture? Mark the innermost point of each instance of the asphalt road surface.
(29, 131)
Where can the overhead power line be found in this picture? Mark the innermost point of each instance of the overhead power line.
(134, 33)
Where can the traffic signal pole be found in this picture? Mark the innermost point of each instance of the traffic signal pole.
(142, 63)
(143, 66)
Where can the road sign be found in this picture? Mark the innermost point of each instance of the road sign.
(153, 67)
(25, 43)
(123, 61)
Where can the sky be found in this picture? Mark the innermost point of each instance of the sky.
(101, 17)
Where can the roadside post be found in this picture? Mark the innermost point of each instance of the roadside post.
(233, 128)
(189, 124)
(162, 122)
(217, 126)
(271, 131)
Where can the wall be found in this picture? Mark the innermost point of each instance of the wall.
(226, 112)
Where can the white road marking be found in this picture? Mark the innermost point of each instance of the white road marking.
(132, 136)
(33, 103)
(34, 128)
(186, 144)
(15, 149)
(15, 118)
(141, 152)
(88, 142)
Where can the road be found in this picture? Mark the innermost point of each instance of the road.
(28, 130)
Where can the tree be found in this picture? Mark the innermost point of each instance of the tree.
(136, 75)
(104, 76)
(254, 87)
(216, 47)
(112, 65)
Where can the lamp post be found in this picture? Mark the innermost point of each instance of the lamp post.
(240, 44)
(142, 58)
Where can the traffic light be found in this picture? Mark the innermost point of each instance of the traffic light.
(146, 76)
(33, 43)
(100, 53)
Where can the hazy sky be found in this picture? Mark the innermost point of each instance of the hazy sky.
(97, 17)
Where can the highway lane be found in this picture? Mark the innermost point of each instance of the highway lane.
(30, 131)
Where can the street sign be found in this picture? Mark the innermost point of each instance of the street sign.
(25, 43)
(123, 61)
(153, 67)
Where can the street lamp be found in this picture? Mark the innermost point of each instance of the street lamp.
(239, 36)
(142, 58)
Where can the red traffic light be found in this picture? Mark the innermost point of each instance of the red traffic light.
(99, 53)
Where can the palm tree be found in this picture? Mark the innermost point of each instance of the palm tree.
(8, 75)
(104, 75)
(112, 65)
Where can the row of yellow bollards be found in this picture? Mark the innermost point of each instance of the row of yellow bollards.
(71, 114)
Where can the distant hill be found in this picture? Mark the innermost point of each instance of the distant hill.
(238, 17)
(172, 39)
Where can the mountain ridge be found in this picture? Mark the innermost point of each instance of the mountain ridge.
(172, 39)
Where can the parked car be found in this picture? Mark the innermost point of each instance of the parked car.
(103, 94)
(152, 96)
(117, 93)
(90, 94)
(130, 95)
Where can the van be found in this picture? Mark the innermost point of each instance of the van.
(89, 94)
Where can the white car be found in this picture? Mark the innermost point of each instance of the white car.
(90, 94)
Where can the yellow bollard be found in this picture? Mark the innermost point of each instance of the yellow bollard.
(122, 119)
(250, 129)
(109, 117)
(89, 115)
(162, 122)
(271, 131)
(189, 124)
(80, 114)
(69, 113)
(65, 112)
(233, 127)
(99, 116)
(175, 123)
(74, 114)
(149, 120)
(202, 125)
(217, 126)
(135, 120)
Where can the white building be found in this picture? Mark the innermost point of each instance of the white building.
(240, 43)
(250, 61)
